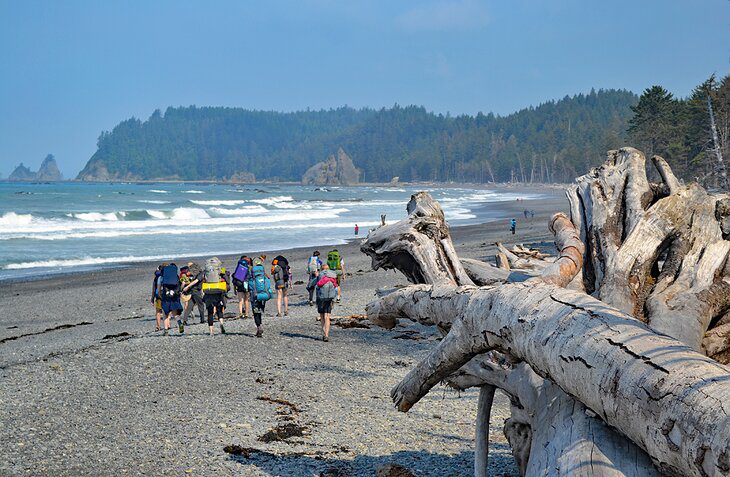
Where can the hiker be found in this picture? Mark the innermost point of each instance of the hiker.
(240, 284)
(337, 264)
(281, 274)
(313, 267)
(195, 287)
(526, 212)
(215, 288)
(513, 225)
(327, 291)
(357, 230)
(185, 297)
(259, 289)
(168, 291)
(156, 298)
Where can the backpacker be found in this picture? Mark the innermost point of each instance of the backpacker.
(212, 282)
(284, 264)
(240, 275)
(260, 284)
(313, 265)
(334, 260)
(170, 283)
(327, 291)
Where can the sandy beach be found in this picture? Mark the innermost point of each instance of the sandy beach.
(87, 387)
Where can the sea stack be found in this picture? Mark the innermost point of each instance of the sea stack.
(336, 170)
(49, 171)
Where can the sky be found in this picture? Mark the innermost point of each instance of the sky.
(71, 69)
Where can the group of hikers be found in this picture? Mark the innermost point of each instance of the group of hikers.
(176, 292)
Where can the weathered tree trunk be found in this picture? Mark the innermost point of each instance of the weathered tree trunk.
(658, 252)
(665, 397)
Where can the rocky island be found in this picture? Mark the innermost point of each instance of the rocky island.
(48, 172)
(337, 170)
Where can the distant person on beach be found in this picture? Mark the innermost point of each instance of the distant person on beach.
(259, 289)
(526, 212)
(337, 264)
(185, 297)
(532, 214)
(240, 284)
(156, 298)
(195, 287)
(513, 226)
(168, 289)
(215, 287)
(357, 230)
(281, 274)
(314, 265)
(327, 291)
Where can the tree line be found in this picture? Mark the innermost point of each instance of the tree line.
(552, 142)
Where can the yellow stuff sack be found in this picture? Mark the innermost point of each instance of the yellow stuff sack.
(220, 286)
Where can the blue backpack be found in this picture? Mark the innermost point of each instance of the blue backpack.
(260, 285)
(170, 282)
(241, 272)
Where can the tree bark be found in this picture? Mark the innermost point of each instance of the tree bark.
(665, 397)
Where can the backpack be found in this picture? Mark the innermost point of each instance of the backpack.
(284, 264)
(240, 275)
(260, 285)
(327, 291)
(334, 260)
(170, 283)
(313, 265)
(212, 282)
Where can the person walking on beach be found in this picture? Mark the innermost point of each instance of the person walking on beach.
(357, 230)
(513, 226)
(281, 274)
(327, 291)
(215, 287)
(337, 264)
(313, 267)
(195, 287)
(185, 298)
(156, 298)
(240, 283)
(259, 289)
(168, 289)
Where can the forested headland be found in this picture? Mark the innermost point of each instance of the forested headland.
(552, 142)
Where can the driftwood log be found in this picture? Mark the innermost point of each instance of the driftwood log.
(594, 390)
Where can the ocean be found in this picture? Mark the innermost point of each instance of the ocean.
(66, 227)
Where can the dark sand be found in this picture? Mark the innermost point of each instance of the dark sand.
(88, 388)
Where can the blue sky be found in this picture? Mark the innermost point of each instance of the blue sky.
(70, 69)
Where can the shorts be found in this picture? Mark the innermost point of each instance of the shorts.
(241, 287)
(185, 298)
(169, 306)
(324, 306)
(158, 305)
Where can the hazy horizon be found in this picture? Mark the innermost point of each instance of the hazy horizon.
(72, 70)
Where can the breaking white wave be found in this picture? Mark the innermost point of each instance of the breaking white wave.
(11, 218)
(158, 191)
(79, 262)
(193, 192)
(273, 200)
(245, 210)
(218, 202)
(181, 213)
(159, 202)
(97, 216)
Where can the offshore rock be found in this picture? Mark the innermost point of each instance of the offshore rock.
(336, 170)
(22, 173)
(49, 171)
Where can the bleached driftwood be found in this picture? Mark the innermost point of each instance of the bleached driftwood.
(619, 215)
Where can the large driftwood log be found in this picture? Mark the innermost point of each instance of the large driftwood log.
(587, 442)
(656, 251)
(665, 397)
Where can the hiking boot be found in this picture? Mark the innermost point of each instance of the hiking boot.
(278, 315)
(337, 300)
(259, 333)
(164, 333)
(311, 303)
(223, 330)
(286, 313)
(241, 316)
(180, 327)
(325, 339)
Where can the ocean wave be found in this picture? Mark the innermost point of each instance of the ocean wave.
(193, 192)
(11, 218)
(97, 216)
(218, 202)
(458, 213)
(180, 213)
(79, 262)
(158, 191)
(273, 200)
(245, 210)
(159, 202)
